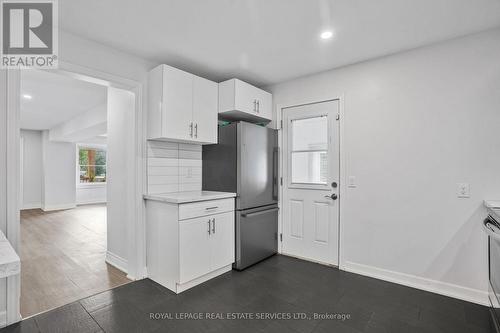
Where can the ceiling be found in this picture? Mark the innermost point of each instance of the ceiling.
(55, 98)
(270, 41)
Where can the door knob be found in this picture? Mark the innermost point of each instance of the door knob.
(333, 196)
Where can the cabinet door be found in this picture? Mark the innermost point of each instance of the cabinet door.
(245, 97)
(205, 104)
(194, 248)
(177, 104)
(222, 240)
(264, 106)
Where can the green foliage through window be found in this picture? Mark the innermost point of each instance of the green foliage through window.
(92, 165)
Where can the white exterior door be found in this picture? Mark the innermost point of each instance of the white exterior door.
(310, 202)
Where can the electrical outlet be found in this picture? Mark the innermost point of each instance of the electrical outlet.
(463, 190)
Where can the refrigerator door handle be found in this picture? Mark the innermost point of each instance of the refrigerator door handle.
(275, 172)
(260, 212)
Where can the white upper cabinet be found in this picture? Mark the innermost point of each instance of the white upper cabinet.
(182, 106)
(239, 100)
(205, 103)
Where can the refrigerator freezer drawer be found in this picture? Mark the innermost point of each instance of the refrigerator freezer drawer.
(256, 235)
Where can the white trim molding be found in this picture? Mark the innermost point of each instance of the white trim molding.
(91, 202)
(3, 319)
(50, 208)
(117, 261)
(418, 282)
(33, 205)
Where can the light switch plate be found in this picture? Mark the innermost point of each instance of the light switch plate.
(463, 190)
(351, 182)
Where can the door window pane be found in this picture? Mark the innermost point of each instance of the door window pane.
(309, 154)
(310, 133)
(309, 167)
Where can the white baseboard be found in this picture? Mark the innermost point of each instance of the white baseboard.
(185, 286)
(32, 205)
(49, 208)
(3, 318)
(434, 286)
(91, 202)
(116, 261)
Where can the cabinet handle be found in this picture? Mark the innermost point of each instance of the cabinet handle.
(210, 208)
(254, 105)
(191, 129)
(258, 106)
(213, 228)
(196, 130)
(209, 232)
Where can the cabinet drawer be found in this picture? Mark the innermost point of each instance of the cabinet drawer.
(203, 208)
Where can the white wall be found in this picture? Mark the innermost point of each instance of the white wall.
(32, 169)
(90, 194)
(58, 176)
(120, 173)
(89, 54)
(415, 125)
(88, 124)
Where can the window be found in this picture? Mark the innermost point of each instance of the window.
(92, 165)
(309, 151)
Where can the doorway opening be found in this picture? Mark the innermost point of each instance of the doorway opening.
(75, 151)
(310, 210)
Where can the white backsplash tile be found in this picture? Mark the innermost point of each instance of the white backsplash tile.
(173, 167)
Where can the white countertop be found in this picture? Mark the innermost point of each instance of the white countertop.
(184, 197)
(10, 264)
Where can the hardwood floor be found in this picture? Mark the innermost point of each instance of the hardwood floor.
(63, 257)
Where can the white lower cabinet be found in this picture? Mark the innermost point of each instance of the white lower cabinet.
(183, 252)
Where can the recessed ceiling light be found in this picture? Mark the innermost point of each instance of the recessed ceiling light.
(326, 34)
(26, 96)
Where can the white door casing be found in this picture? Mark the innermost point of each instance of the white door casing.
(310, 169)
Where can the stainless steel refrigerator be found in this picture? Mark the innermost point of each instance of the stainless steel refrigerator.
(245, 161)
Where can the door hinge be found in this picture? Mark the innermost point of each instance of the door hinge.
(337, 117)
(281, 181)
(281, 237)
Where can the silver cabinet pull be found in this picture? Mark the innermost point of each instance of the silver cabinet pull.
(213, 228)
(210, 208)
(209, 232)
(191, 129)
(254, 105)
(258, 106)
(196, 130)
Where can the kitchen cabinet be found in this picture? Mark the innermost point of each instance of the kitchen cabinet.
(189, 243)
(239, 100)
(206, 245)
(182, 106)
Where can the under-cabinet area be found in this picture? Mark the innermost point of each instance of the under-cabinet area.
(190, 237)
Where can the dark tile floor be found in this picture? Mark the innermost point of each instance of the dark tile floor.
(262, 298)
